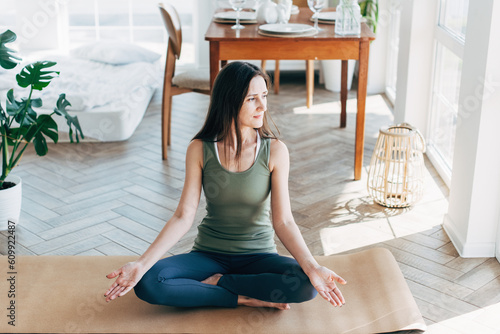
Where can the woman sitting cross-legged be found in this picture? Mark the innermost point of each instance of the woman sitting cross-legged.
(243, 170)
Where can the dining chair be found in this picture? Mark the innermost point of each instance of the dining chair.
(309, 69)
(190, 81)
(300, 3)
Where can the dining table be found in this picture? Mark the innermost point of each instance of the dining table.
(228, 44)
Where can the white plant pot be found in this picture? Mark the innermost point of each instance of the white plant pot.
(10, 202)
(332, 74)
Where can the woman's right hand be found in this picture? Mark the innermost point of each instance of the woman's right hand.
(128, 276)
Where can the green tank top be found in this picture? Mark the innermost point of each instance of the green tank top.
(238, 204)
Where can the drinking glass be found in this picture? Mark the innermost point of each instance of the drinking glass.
(237, 5)
(316, 6)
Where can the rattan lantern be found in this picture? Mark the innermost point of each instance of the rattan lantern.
(396, 174)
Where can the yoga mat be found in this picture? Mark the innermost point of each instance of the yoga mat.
(55, 294)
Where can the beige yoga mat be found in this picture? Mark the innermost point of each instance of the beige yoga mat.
(56, 294)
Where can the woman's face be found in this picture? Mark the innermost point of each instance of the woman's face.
(255, 104)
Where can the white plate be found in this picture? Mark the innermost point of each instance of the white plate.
(327, 16)
(244, 16)
(289, 28)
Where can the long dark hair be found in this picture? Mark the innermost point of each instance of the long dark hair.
(228, 94)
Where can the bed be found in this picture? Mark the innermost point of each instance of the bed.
(108, 84)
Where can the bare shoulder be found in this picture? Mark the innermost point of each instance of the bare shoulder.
(278, 145)
(279, 154)
(196, 144)
(195, 152)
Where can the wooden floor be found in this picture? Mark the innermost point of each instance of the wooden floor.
(113, 198)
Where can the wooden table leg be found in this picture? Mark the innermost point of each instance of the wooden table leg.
(343, 95)
(277, 77)
(364, 51)
(214, 62)
(309, 82)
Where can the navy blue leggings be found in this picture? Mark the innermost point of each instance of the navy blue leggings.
(176, 280)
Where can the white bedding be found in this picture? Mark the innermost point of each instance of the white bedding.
(109, 100)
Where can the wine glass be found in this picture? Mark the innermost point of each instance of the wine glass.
(237, 5)
(316, 6)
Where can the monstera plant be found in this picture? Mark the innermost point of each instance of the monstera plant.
(20, 124)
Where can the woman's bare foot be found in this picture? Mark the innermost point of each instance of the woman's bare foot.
(247, 301)
(212, 280)
(242, 300)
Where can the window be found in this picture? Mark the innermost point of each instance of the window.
(7, 16)
(445, 104)
(453, 17)
(449, 44)
(393, 51)
(135, 21)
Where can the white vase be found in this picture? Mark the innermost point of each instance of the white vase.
(332, 73)
(267, 12)
(10, 202)
(284, 10)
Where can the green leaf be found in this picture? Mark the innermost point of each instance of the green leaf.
(30, 116)
(72, 121)
(12, 105)
(34, 75)
(3, 115)
(15, 134)
(8, 59)
(20, 108)
(40, 144)
(37, 103)
(31, 132)
(48, 127)
(61, 106)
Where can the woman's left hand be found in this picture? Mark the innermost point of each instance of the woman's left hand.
(323, 280)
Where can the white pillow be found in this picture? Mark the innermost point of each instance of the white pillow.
(114, 53)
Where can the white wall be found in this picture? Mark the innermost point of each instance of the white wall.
(474, 210)
(416, 36)
(204, 20)
(498, 243)
(38, 23)
(473, 217)
(378, 52)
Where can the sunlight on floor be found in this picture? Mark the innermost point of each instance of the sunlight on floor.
(375, 104)
(484, 321)
(339, 239)
(361, 222)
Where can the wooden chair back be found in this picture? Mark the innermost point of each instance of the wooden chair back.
(173, 25)
(300, 3)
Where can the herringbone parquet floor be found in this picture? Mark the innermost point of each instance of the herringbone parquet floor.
(113, 198)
